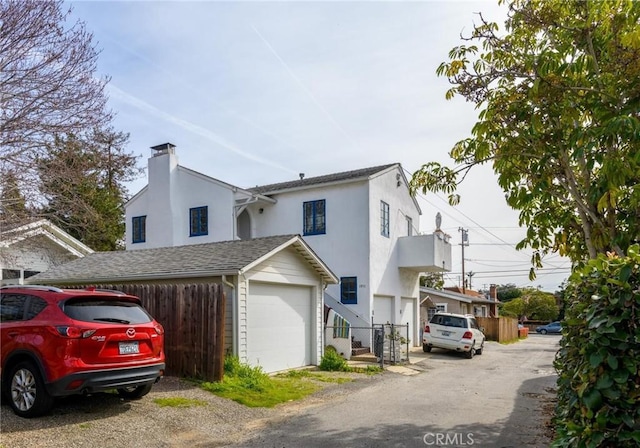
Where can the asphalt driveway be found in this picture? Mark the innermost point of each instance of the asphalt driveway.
(493, 400)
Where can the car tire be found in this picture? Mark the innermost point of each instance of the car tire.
(28, 395)
(479, 351)
(471, 352)
(133, 393)
(543, 331)
(426, 348)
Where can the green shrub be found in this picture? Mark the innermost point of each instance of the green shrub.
(599, 357)
(332, 361)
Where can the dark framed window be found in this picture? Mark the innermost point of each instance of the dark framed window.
(384, 219)
(139, 229)
(199, 221)
(349, 290)
(314, 217)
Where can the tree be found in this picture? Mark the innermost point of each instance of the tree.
(432, 280)
(559, 101)
(83, 183)
(508, 292)
(534, 304)
(48, 85)
(13, 206)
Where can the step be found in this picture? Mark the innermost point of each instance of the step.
(360, 351)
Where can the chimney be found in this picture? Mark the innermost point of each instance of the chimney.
(493, 292)
(301, 176)
(165, 148)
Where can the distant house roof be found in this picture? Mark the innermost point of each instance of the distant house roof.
(448, 293)
(197, 260)
(46, 229)
(345, 176)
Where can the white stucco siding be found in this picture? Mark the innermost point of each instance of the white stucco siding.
(386, 278)
(288, 272)
(172, 192)
(345, 245)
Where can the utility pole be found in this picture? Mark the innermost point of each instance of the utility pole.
(470, 274)
(465, 242)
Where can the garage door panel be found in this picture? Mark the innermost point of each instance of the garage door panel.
(279, 319)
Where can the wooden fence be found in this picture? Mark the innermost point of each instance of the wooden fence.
(193, 319)
(501, 329)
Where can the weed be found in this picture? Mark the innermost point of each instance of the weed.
(178, 402)
(333, 362)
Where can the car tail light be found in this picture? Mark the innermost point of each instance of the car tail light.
(427, 329)
(467, 335)
(74, 332)
(159, 328)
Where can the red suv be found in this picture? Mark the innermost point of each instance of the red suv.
(58, 342)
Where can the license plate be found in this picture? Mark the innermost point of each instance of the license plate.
(446, 333)
(128, 348)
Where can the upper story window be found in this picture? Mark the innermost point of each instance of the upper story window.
(384, 219)
(314, 217)
(139, 229)
(349, 290)
(199, 221)
(409, 226)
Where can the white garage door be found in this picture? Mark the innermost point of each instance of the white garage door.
(409, 315)
(382, 310)
(279, 324)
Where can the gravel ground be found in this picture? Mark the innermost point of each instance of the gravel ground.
(105, 420)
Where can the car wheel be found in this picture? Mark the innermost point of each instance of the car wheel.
(543, 331)
(479, 351)
(471, 352)
(27, 395)
(133, 393)
(426, 348)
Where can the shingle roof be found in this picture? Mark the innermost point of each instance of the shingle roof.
(227, 257)
(328, 178)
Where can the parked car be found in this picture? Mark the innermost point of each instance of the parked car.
(553, 327)
(58, 342)
(454, 332)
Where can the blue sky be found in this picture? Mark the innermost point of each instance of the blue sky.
(256, 92)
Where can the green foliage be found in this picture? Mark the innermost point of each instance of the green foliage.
(82, 180)
(252, 387)
(599, 358)
(332, 362)
(559, 120)
(432, 280)
(534, 304)
(508, 292)
(178, 402)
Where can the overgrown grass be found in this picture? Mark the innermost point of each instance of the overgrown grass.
(178, 402)
(252, 387)
(333, 362)
(298, 374)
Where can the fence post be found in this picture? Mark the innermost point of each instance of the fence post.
(408, 342)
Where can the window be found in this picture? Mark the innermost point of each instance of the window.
(139, 229)
(409, 226)
(314, 217)
(12, 307)
(384, 219)
(349, 290)
(199, 221)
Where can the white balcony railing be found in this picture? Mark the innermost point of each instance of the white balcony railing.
(425, 253)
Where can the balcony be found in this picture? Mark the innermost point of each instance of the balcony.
(425, 253)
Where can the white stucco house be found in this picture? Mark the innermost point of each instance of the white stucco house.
(363, 224)
(35, 247)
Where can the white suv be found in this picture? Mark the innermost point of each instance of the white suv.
(457, 332)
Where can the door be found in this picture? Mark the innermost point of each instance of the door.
(279, 326)
(408, 315)
(383, 310)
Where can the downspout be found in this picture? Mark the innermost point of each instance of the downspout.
(234, 314)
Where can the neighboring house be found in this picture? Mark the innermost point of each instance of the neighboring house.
(362, 224)
(35, 247)
(273, 286)
(452, 300)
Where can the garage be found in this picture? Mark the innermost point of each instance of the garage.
(281, 321)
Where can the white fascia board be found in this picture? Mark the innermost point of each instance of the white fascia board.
(53, 233)
(136, 196)
(404, 179)
(316, 186)
(447, 295)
